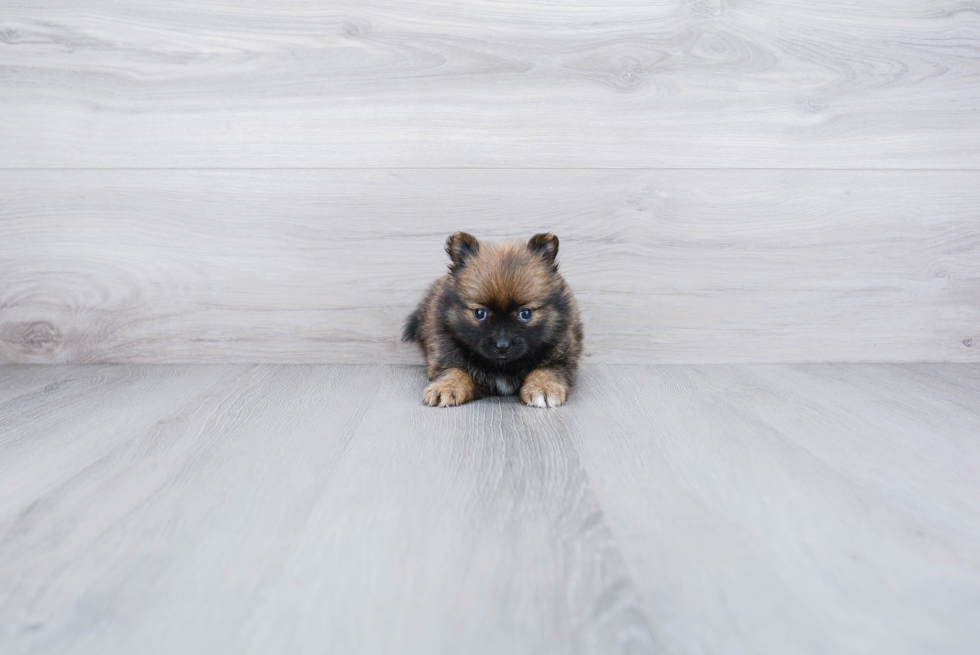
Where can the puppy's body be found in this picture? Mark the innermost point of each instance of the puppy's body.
(502, 321)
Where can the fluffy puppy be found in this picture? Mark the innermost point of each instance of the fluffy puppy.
(502, 320)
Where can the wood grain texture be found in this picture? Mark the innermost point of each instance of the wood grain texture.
(468, 531)
(681, 509)
(300, 509)
(805, 509)
(178, 496)
(705, 83)
(323, 266)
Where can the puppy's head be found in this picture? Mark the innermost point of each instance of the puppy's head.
(504, 300)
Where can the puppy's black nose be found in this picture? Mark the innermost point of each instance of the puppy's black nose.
(503, 345)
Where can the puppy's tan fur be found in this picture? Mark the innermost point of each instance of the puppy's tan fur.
(506, 281)
(542, 388)
(454, 387)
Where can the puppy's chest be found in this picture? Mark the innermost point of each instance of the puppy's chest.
(504, 385)
(498, 383)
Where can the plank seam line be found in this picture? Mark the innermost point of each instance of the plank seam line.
(481, 168)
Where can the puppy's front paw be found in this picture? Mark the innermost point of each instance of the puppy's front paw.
(454, 387)
(542, 388)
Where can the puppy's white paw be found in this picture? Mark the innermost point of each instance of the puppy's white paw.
(545, 400)
(542, 388)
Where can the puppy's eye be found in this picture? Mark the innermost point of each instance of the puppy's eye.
(524, 315)
(480, 314)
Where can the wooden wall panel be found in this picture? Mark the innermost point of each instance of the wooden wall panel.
(389, 83)
(322, 266)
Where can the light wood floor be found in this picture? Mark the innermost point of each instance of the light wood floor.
(679, 509)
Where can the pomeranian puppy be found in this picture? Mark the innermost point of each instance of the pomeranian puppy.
(502, 320)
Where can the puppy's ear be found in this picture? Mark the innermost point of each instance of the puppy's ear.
(545, 245)
(460, 247)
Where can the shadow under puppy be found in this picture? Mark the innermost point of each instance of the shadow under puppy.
(502, 320)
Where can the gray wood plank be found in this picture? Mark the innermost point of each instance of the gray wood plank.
(323, 266)
(188, 487)
(305, 509)
(806, 509)
(222, 83)
(23, 380)
(80, 416)
(462, 531)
